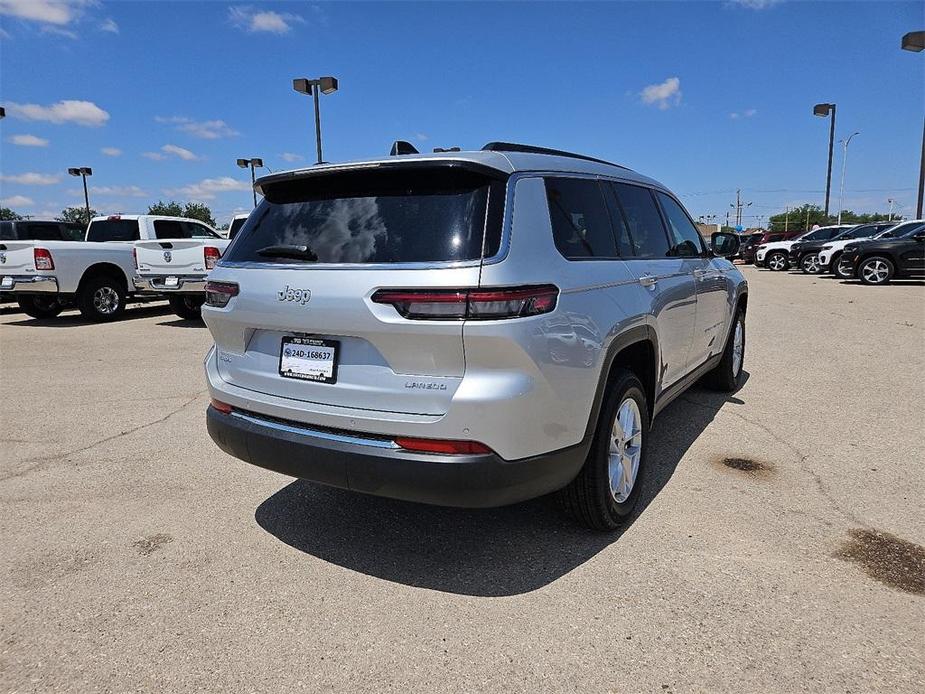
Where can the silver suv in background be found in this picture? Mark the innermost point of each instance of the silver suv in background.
(467, 328)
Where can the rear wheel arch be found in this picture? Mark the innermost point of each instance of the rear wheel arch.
(104, 270)
(635, 350)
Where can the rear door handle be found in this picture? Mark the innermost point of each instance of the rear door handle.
(648, 281)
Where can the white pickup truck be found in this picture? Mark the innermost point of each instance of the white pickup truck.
(101, 273)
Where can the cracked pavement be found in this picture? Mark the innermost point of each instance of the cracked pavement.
(138, 557)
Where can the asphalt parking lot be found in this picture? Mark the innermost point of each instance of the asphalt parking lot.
(779, 547)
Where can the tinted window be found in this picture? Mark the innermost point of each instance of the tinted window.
(862, 232)
(113, 230)
(647, 234)
(685, 239)
(235, 227)
(376, 216)
(6, 231)
(618, 222)
(904, 230)
(179, 229)
(580, 221)
(39, 232)
(74, 232)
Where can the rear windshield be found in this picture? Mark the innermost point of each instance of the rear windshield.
(235, 227)
(113, 230)
(411, 215)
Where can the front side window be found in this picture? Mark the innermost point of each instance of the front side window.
(389, 215)
(685, 239)
(646, 231)
(580, 221)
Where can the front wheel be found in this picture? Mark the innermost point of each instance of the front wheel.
(876, 270)
(38, 306)
(727, 375)
(837, 270)
(777, 261)
(101, 299)
(606, 490)
(187, 306)
(809, 263)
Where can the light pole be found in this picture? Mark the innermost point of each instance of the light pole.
(823, 110)
(254, 163)
(844, 165)
(83, 172)
(892, 202)
(322, 85)
(915, 41)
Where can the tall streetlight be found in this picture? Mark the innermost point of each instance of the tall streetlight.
(844, 165)
(322, 85)
(83, 172)
(823, 110)
(254, 163)
(915, 41)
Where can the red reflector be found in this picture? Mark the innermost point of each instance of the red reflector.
(222, 407)
(442, 446)
(43, 259)
(211, 254)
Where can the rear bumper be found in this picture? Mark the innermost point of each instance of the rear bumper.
(375, 465)
(157, 284)
(29, 284)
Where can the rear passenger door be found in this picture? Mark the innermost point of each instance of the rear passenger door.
(709, 280)
(666, 281)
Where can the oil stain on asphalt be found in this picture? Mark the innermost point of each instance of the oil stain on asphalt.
(886, 558)
(151, 543)
(745, 465)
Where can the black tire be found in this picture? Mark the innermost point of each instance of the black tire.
(187, 306)
(38, 306)
(101, 298)
(725, 377)
(803, 263)
(588, 498)
(869, 264)
(835, 269)
(785, 261)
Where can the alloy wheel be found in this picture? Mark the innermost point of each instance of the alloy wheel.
(875, 271)
(625, 450)
(738, 347)
(776, 261)
(811, 264)
(106, 300)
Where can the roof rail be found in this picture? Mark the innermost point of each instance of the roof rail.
(531, 149)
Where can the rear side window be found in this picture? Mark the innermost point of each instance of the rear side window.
(647, 233)
(393, 215)
(685, 239)
(113, 230)
(73, 232)
(235, 227)
(580, 221)
(179, 229)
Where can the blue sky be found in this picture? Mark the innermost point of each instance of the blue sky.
(160, 98)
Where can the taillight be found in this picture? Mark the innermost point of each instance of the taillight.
(212, 254)
(222, 407)
(471, 304)
(43, 260)
(218, 294)
(442, 446)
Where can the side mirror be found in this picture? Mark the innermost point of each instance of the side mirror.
(724, 244)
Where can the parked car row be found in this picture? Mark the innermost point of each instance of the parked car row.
(49, 266)
(873, 253)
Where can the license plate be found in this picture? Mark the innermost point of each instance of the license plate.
(171, 281)
(6, 283)
(308, 359)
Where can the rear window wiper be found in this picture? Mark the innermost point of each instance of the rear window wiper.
(289, 251)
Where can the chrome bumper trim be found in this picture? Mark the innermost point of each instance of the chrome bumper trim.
(158, 284)
(316, 433)
(28, 284)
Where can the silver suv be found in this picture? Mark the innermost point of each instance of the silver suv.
(467, 328)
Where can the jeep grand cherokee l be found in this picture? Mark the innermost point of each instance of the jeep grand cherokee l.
(467, 328)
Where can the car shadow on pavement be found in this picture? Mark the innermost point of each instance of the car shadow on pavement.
(480, 552)
(68, 320)
(183, 323)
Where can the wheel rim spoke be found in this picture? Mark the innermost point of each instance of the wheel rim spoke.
(625, 450)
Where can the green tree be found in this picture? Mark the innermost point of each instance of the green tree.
(192, 210)
(7, 215)
(76, 214)
(808, 215)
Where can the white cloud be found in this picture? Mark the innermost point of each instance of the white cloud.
(181, 152)
(154, 156)
(16, 201)
(56, 12)
(663, 95)
(750, 112)
(118, 191)
(747, 113)
(31, 179)
(110, 25)
(67, 111)
(755, 4)
(291, 157)
(422, 137)
(207, 188)
(206, 130)
(247, 18)
(111, 151)
(28, 141)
